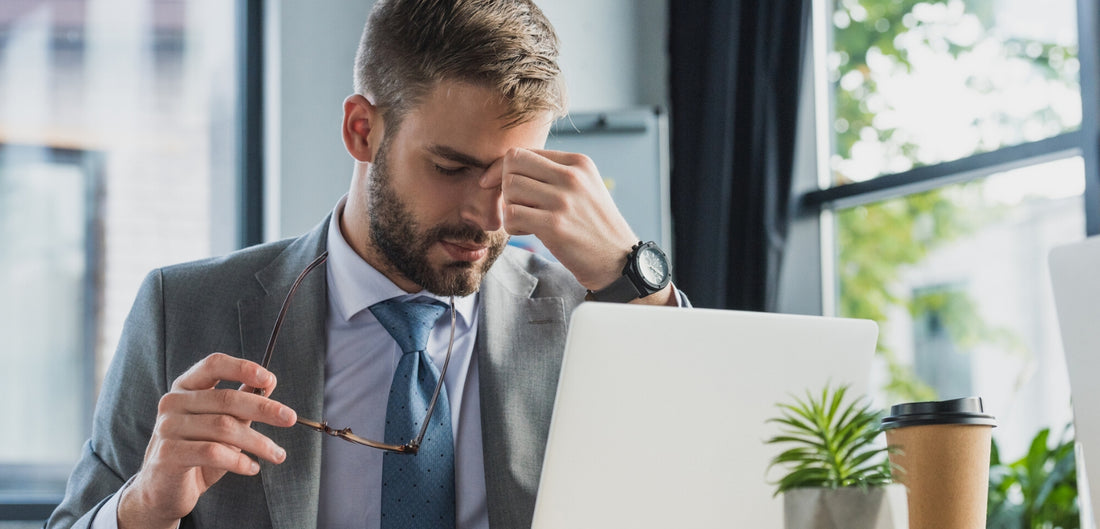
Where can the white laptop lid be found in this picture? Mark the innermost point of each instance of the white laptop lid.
(1075, 276)
(660, 418)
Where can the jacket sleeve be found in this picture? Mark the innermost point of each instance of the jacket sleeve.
(125, 413)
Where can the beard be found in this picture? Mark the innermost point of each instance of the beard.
(405, 244)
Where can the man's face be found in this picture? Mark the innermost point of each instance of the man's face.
(429, 220)
(407, 244)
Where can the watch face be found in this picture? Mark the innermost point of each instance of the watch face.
(652, 266)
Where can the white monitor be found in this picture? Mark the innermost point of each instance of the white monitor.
(1075, 276)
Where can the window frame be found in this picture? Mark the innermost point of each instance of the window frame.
(250, 140)
(807, 283)
(1088, 24)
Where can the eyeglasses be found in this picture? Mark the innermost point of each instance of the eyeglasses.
(413, 446)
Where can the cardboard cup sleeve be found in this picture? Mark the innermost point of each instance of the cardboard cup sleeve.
(940, 451)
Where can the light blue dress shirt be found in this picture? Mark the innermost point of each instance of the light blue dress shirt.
(359, 367)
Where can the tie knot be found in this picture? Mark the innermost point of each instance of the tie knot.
(409, 323)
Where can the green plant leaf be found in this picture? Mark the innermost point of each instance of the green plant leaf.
(838, 397)
(865, 457)
(794, 420)
(795, 455)
(1062, 469)
(795, 426)
(1035, 460)
(795, 439)
(1038, 491)
(806, 477)
(1006, 516)
(830, 442)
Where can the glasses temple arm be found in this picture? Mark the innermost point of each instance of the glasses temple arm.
(438, 387)
(282, 312)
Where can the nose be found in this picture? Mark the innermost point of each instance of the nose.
(485, 206)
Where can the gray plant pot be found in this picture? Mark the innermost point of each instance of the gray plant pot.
(846, 508)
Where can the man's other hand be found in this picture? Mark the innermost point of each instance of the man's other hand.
(201, 433)
(561, 199)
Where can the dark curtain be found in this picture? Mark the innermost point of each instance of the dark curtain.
(735, 67)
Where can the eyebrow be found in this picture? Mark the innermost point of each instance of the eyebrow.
(457, 156)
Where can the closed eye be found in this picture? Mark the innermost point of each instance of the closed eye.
(450, 171)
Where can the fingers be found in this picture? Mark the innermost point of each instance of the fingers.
(525, 220)
(492, 176)
(542, 165)
(563, 157)
(180, 453)
(218, 367)
(556, 168)
(215, 441)
(540, 188)
(240, 405)
(203, 422)
(534, 193)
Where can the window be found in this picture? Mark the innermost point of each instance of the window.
(953, 152)
(118, 154)
(49, 221)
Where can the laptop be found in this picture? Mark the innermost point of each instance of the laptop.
(660, 417)
(1075, 276)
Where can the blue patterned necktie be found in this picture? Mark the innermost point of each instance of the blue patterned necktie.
(417, 490)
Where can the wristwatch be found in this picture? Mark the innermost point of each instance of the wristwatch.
(647, 271)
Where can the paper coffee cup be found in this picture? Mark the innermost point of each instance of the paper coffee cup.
(942, 449)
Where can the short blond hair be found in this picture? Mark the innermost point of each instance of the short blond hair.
(410, 46)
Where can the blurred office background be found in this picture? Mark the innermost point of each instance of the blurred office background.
(907, 161)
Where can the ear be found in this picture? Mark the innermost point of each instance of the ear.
(362, 128)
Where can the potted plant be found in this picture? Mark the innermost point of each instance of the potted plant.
(1037, 491)
(838, 476)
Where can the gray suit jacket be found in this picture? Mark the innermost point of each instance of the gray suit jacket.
(229, 304)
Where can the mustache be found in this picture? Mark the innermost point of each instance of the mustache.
(459, 232)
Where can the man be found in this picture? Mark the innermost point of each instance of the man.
(453, 104)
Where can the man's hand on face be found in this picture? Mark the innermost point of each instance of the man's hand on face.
(561, 199)
(200, 434)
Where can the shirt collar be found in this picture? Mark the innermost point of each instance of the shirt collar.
(355, 285)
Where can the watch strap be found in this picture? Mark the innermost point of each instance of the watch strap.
(621, 290)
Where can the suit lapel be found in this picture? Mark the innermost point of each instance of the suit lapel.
(519, 347)
(292, 488)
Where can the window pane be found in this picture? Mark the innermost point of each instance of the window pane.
(117, 155)
(45, 275)
(922, 82)
(957, 280)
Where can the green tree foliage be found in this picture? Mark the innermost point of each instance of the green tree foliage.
(877, 243)
(874, 244)
(861, 28)
(873, 39)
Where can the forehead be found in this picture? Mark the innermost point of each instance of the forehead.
(467, 118)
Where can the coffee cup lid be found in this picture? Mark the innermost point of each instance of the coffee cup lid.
(967, 410)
